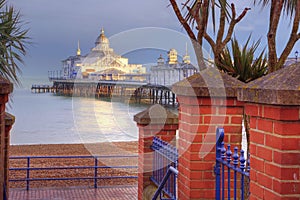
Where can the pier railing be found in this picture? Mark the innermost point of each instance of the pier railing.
(94, 169)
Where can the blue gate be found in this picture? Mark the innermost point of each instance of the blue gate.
(165, 160)
(235, 164)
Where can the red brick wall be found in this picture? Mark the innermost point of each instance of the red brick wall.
(275, 151)
(198, 120)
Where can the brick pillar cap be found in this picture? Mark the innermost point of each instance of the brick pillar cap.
(6, 87)
(281, 87)
(208, 83)
(9, 119)
(156, 114)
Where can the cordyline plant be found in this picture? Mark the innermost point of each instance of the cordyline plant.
(13, 39)
(241, 62)
(278, 8)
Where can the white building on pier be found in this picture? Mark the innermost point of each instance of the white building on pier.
(169, 72)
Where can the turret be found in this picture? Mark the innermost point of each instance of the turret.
(160, 61)
(172, 57)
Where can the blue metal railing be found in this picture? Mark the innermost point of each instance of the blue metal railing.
(165, 157)
(28, 169)
(234, 163)
(4, 192)
(170, 171)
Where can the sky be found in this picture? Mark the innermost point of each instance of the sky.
(56, 26)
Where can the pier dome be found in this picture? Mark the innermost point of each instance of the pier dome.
(102, 41)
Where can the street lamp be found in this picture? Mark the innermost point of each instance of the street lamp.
(296, 55)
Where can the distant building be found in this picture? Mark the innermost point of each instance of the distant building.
(101, 63)
(71, 65)
(172, 71)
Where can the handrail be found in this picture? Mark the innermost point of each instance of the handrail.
(163, 182)
(27, 179)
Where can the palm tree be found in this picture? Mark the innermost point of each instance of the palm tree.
(13, 40)
(278, 8)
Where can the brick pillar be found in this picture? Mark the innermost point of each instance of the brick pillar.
(207, 101)
(154, 121)
(273, 104)
(9, 121)
(5, 89)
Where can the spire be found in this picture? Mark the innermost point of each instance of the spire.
(186, 49)
(186, 57)
(102, 31)
(78, 53)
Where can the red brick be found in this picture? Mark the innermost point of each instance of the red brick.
(236, 120)
(252, 109)
(272, 170)
(287, 128)
(188, 100)
(252, 149)
(265, 125)
(191, 137)
(257, 137)
(230, 110)
(202, 184)
(264, 153)
(235, 139)
(281, 143)
(205, 110)
(191, 119)
(253, 123)
(281, 113)
(232, 129)
(257, 164)
(219, 120)
(264, 180)
(253, 175)
(287, 158)
(270, 194)
(205, 101)
(284, 188)
(256, 190)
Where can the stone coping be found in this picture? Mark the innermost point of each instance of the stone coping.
(9, 119)
(281, 87)
(6, 87)
(208, 83)
(156, 114)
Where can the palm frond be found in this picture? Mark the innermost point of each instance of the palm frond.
(13, 41)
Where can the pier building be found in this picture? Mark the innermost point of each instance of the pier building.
(169, 72)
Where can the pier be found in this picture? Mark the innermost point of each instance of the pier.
(126, 91)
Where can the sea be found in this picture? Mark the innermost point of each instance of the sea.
(45, 118)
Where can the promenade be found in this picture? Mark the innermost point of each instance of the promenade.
(111, 193)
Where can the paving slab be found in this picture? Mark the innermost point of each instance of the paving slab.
(103, 193)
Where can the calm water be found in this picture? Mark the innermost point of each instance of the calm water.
(49, 119)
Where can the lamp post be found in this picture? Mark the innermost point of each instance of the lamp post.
(296, 55)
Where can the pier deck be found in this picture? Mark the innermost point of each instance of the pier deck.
(128, 91)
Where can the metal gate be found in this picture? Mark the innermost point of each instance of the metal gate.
(231, 170)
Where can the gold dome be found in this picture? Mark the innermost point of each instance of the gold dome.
(102, 39)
